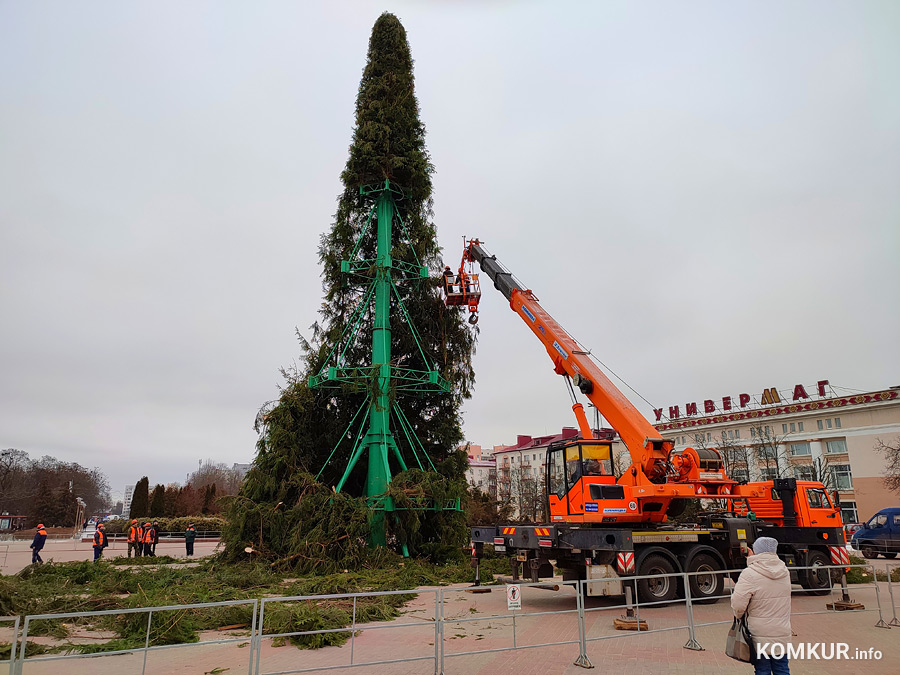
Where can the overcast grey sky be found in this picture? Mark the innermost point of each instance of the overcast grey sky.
(706, 194)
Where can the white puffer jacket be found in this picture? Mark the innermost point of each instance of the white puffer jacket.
(763, 592)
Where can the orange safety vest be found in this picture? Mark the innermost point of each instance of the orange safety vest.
(135, 534)
(99, 538)
(148, 536)
(42, 532)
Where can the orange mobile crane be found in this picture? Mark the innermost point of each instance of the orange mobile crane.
(601, 527)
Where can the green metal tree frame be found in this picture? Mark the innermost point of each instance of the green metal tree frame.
(381, 380)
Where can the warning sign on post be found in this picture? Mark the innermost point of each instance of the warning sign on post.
(513, 596)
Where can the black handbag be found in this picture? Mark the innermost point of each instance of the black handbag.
(739, 644)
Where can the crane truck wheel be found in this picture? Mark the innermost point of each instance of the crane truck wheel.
(818, 579)
(706, 588)
(660, 589)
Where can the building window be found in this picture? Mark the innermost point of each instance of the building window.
(837, 422)
(731, 435)
(848, 512)
(708, 437)
(769, 473)
(800, 449)
(800, 426)
(803, 472)
(820, 425)
(737, 433)
(836, 446)
(766, 452)
(741, 475)
(793, 428)
(752, 432)
(843, 479)
(827, 424)
(784, 428)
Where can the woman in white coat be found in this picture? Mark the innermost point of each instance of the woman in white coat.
(763, 593)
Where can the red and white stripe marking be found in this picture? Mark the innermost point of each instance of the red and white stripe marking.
(839, 555)
(545, 543)
(625, 563)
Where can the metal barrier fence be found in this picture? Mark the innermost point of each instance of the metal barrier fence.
(512, 616)
(889, 571)
(584, 631)
(147, 648)
(352, 629)
(11, 661)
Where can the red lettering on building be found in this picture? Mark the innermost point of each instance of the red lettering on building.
(673, 412)
(658, 412)
(690, 409)
(709, 406)
(726, 403)
(821, 384)
(744, 400)
(800, 392)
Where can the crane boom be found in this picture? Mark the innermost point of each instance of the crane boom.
(647, 449)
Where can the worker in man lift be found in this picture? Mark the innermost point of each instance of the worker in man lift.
(148, 540)
(448, 279)
(40, 537)
(100, 542)
(135, 539)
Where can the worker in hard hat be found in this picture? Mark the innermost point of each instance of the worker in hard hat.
(135, 539)
(40, 538)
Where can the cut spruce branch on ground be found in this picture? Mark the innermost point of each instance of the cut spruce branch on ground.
(87, 586)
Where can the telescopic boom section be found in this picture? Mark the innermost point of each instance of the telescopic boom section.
(648, 451)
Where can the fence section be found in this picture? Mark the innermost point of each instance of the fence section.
(11, 661)
(147, 647)
(528, 597)
(270, 606)
(436, 611)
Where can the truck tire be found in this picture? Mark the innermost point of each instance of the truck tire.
(663, 589)
(817, 582)
(869, 552)
(706, 587)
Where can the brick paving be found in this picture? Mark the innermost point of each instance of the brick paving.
(625, 653)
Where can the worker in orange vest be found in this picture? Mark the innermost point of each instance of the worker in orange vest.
(135, 539)
(100, 542)
(39, 538)
(149, 538)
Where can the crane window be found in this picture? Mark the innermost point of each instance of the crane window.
(817, 498)
(557, 473)
(588, 460)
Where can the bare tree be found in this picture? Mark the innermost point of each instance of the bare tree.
(226, 479)
(736, 456)
(891, 452)
(622, 463)
(770, 451)
(522, 492)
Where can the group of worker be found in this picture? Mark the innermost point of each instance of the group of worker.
(142, 539)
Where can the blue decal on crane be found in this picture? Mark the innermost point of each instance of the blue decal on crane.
(590, 507)
(527, 313)
(562, 351)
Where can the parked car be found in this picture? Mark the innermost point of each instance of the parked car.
(879, 535)
(850, 528)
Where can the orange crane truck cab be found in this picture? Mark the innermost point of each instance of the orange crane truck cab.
(600, 527)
